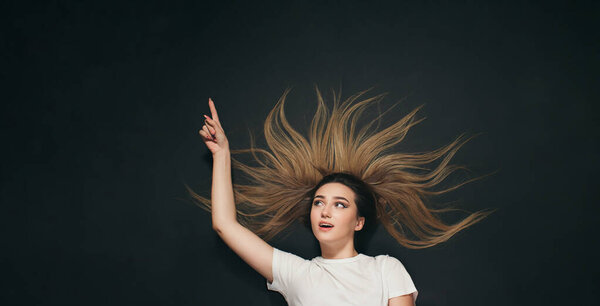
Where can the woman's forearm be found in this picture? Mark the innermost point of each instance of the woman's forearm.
(223, 205)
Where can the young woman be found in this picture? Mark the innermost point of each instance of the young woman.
(342, 181)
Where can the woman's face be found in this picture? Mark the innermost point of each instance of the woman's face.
(334, 215)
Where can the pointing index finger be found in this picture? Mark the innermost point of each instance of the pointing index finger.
(213, 110)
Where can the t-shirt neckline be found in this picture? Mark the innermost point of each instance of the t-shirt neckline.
(340, 260)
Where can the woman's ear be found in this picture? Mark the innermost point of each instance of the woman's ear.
(360, 222)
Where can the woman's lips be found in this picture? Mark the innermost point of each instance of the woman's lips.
(325, 226)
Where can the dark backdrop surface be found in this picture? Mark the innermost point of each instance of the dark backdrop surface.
(101, 104)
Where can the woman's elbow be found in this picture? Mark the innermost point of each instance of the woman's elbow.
(216, 228)
(220, 226)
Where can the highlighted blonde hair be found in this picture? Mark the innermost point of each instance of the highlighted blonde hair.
(280, 184)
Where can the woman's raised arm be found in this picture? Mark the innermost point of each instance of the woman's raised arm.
(251, 248)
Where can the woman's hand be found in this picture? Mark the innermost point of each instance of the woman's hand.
(212, 133)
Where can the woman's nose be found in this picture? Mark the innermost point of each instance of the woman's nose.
(325, 213)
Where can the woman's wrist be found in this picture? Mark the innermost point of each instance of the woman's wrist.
(223, 153)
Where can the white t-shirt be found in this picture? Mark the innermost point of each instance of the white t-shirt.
(359, 280)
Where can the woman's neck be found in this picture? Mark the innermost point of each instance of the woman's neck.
(338, 251)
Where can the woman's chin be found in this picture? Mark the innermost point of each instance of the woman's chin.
(326, 237)
(322, 237)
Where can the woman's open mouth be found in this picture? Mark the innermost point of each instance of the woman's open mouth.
(325, 226)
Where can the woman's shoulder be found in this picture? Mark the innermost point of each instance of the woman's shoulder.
(289, 255)
(384, 258)
(281, 258)
(386, 261)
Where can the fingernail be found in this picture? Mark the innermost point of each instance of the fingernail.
(205, 116)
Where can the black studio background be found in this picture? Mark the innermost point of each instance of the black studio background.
(101, 102)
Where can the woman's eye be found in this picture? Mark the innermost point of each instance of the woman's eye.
(317, 203)
(340, 205)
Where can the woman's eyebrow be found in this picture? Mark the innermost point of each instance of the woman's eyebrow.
(341, 198)
(337, 198)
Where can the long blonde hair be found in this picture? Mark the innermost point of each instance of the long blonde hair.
(278, 192)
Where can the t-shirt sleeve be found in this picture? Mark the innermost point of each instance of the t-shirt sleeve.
(285, 267)
(398, 280)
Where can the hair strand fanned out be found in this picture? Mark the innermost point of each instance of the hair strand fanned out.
(278, 189)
